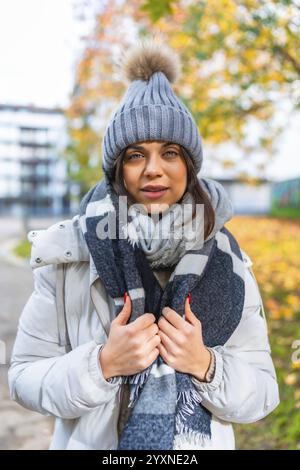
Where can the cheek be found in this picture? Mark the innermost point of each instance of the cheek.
(179, 178)
(130, 180)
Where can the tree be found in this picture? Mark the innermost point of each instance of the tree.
(240, 60)
(97, 89)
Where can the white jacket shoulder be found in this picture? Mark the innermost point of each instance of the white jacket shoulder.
(62, 242)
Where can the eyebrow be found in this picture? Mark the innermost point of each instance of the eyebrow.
(141, 147)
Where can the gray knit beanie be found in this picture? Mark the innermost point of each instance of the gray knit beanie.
(150, 110)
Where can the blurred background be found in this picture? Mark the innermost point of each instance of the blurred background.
(59, 84)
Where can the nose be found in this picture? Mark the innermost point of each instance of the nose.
(153, 165)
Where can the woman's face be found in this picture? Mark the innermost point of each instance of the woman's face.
(155, 163)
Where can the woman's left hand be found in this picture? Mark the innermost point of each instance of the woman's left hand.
(182, 344)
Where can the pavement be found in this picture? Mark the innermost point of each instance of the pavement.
(19, 428)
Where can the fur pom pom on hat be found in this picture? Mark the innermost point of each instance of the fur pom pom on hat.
(148, 57)
(150, 110)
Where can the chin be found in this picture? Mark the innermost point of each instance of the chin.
(157, 208)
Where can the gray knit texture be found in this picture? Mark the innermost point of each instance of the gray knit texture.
(150, 110)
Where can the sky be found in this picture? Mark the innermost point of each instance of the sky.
(39, 46)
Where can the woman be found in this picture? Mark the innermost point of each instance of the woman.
(144, 330)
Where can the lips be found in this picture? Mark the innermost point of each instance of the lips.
(154, 188)
(153, 192)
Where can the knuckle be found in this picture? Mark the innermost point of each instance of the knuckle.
(139, 356)
(180, 341)
(130, 332)
(188, 331)
(142, 363)
(135, 342)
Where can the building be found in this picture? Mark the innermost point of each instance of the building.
(32, 173)
(248, 198)
(286, 197)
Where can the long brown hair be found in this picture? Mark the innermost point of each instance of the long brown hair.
(193, 187)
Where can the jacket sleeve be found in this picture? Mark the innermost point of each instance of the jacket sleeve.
(244, 388)
(45, 376)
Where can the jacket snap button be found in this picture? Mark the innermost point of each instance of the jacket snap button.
(38, 260)
(68, 253)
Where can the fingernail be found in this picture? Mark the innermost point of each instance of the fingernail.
(125, 297)
(189, 297)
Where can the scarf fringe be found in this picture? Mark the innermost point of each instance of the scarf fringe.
(189, 398)
(184, 435)
(136, 382)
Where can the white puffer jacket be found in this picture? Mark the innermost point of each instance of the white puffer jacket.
(54, 378)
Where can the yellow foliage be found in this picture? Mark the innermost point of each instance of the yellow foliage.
(274, 247)
(291, 379)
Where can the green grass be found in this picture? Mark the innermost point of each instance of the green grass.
(281, 429)
(23, 249)
(285, 212)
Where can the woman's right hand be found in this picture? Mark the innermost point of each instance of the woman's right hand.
(129, 348)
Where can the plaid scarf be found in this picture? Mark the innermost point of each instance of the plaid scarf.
(166, 407)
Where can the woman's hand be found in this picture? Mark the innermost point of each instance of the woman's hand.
(182, 344)
(129, 348)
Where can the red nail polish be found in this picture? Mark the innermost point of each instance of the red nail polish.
(189, 297)
(125, 297)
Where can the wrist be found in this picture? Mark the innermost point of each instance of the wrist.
(104, 363)
(202, 367)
